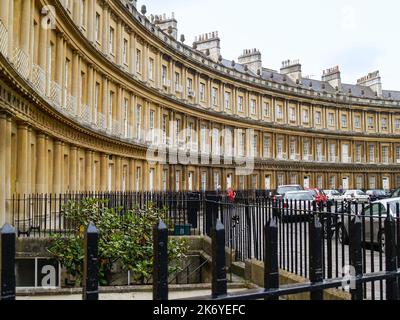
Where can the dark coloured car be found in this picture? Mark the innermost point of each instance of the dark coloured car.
(282, 190)
(395, 193)
(377, 194)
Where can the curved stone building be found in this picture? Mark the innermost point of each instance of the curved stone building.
(86, 86)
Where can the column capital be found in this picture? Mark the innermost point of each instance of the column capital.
(60, 34)
(6, 113)
(23, 124)
(40, 134)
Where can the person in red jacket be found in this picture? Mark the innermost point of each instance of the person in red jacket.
(231, 195)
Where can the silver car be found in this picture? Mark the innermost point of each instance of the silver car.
(373, 220)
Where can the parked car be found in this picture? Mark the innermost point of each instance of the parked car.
(356, 196)
(373, 223)
(333, 195)
(319, 196)
(395, 193)
(375, 195)
(282, 190)
(297, 206)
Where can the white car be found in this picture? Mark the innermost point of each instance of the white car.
(374, 216)
(355, 196)
(333, 195)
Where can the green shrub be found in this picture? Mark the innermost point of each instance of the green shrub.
(126, 239)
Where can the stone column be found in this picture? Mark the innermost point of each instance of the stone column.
(60, 59)
(131, 172)
(41, 164)
(106, 29)
(90, 88)
(105, 101)
(22, 159)
(4, 18)
(103, 172)
(10, 27)
(89, 170)
(26, 23)
(57, 168)
(4, 173)
(73, 168)
(117, 170)
(91, 20)
(119, 43)
(133, 53)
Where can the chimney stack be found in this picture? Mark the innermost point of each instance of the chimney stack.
(373, 81)
(252, 59)
(332, 76)
(167, 24)
(292, 68)
(209, 44)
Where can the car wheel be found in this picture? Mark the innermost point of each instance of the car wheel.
(381, 240)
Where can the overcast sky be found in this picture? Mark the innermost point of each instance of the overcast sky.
(358, 35)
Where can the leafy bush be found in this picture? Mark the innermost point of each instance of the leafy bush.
(124, 238)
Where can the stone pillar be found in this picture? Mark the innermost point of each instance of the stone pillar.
(106, 29)
(73, 168)
(43, 44)
(4, 173)
(119, 43)
(10, 27)
(22, 159)
(89, 170)
(104, 172)
(57, 167)
(76, 76)
(60, 59)
(91, 20)
(132, 65)
(41, 164)
(4, 16)
(90, 89)
(26, 23)
(131, 170)
(105, 100)
(117, 174)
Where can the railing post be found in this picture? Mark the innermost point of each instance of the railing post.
(356, 260)
(160, 265)
(328, 226)
(219, 281)
(275, 209)
(248, 228)
(7, 262)
(91, 264)
(391, 257)
(271, 271)
(211, 212)
(315, 249)
(193, 207)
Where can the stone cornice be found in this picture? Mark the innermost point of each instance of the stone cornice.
(153, 93)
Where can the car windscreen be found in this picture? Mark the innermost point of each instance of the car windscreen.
(299, 196)
(360, 193)
(283, 190)
(380, 192)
